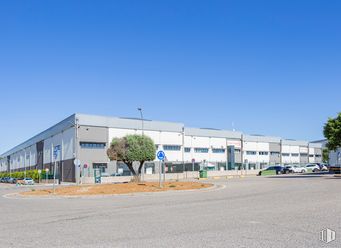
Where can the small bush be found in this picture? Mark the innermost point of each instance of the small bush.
(172, 186)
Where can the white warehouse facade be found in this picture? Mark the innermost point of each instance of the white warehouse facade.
(87, 137)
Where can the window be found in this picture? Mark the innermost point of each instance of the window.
(236, 150)
(171, 148)
(318, 156)
(294, 154)
(218, 150)
(263, 153)
(251, 153)
(311, 155)
(285, 154)
(201, 150)
(263, 165)
(274, 153)
(92, 145)
(101, 166)
(303, 154)
(187, 149)
(252, 166)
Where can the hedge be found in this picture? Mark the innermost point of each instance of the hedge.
(29, 173)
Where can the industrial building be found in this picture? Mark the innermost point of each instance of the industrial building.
(87, 137)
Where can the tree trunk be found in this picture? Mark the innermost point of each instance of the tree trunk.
(136, 174)
(131, 168)
(140, 169)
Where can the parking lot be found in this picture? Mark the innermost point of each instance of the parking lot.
(275, 211)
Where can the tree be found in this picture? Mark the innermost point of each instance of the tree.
(130, 149)
(332, 132)
(325, 155)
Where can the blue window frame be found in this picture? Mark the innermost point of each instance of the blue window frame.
(285, 154)
(251, 153)
(187, 149)
(171, 147)
(200, 150)
(92, 145)
(218, 150)
(294, 155)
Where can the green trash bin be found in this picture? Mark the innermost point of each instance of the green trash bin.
(203, 173)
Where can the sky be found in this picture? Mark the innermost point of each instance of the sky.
(260, 67)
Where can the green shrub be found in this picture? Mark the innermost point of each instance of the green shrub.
(21, 174)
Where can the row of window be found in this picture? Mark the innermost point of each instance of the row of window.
(196, 150)
(100, 145)
(188, 149)
(283, 154)
(92, 145)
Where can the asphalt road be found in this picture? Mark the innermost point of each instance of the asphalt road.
(283, 211)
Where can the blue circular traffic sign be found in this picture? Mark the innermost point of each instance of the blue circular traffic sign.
(161, 155)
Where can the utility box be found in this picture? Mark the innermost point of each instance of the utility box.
(97, 176)
(203, 174)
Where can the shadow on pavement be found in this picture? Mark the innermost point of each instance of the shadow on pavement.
(302, 176)
(333, 177)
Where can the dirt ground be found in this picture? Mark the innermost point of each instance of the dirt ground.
(111, 189)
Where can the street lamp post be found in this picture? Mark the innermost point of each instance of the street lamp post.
(140, 109)
(24, 162)
(75, 149)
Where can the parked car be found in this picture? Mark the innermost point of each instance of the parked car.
(312, 167)
(5, 179)
(323, 167)
(28, 181)
(294, 169)
(11, 180)
(278, 168)
(301, 169)
(288, 169)
(20, 180)
(104, 174)
(116, 174)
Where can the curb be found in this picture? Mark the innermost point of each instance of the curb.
(18, 196)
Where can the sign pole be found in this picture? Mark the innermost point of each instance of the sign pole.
(54, 177)
(164, 172)
(55, 156)
(161, 156)
(160, 168)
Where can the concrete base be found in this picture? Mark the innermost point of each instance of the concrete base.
(172, 176)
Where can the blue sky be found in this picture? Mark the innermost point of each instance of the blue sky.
(270, 67)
